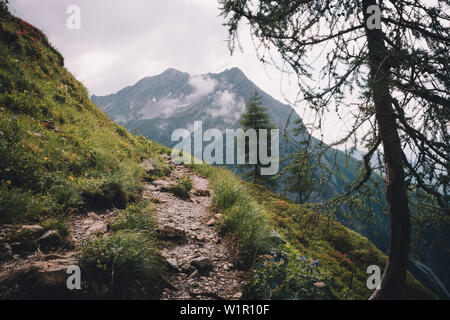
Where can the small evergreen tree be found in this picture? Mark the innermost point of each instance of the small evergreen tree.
(301, 181)
(255, 117)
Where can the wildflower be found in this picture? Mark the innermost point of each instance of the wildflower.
(45, 158)
(71, 178)
(89, 155)
(303, 258)
(8, 182)
(320, 285)
(315, 263)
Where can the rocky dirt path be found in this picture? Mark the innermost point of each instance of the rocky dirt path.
(201, 264)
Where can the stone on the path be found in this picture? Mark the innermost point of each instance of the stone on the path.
(193, 274)
(35, 229)
(148, 165)
(211, 222)
(172, 262)
(51, 240)
(202, 263)
(93, 215)
(97, 227)
(201, 193)
(160, 183)
(40, 279)
(170, 233)
(237, 296)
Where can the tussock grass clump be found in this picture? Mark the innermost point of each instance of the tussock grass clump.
(227, 194)
(60, 224)
(246, 222)
(160, 169)
(124, 265)
(135, 217)
(182, 188)
(242, 217)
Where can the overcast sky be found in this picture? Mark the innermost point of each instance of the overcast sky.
(120, 42)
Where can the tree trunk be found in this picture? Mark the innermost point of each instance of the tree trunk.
(394, 274)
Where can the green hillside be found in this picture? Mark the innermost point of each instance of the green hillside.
(290, 270)
(59, 151)
(60, 156)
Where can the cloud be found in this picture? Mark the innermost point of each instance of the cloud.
(165, 107)
(227, 106)
(145, 38)
(202, 85)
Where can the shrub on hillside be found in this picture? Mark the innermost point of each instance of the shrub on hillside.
(286, 275)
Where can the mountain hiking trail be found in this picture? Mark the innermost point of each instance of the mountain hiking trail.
(200, 261)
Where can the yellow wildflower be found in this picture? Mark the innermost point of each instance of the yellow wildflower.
(8, 182)
(71, 178)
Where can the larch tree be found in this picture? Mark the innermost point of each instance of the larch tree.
(391, 56)
(255, 117)
(300, 176)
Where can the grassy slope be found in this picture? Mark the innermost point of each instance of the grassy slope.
(60, 155)
(343, 254)
(58, 149)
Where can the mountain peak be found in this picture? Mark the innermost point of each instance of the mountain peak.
(235, 71)
(172, 71)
